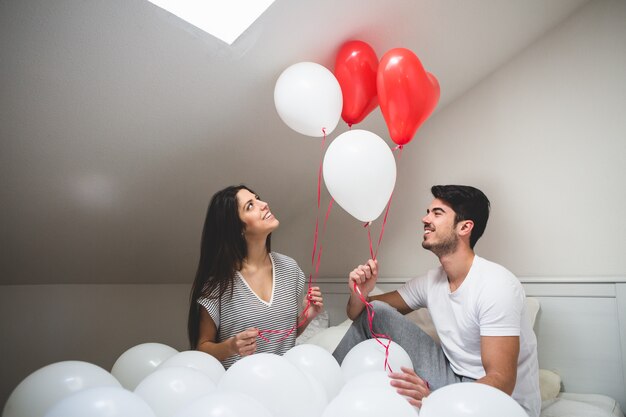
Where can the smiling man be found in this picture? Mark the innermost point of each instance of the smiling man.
(477, 307)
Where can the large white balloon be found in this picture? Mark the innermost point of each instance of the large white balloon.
(318, 398)
(139, 361)
(374, 379)
(369, 355)
(168, 390)
(308, 99)
(197, 360)
(369, 402)
(360, 173)
(224, 403)
(378, 380)
(320, 364)
(275, 382)
(101, 402)
(470, 399)
(46, 386)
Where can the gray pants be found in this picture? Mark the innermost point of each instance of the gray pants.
(429, 361)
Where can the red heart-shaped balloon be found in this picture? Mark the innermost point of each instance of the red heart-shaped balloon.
(407, 93)
(356, 69)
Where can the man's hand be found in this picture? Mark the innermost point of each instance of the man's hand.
(410, 385)
(364, 276)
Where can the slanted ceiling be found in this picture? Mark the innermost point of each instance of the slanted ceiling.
(118, 120)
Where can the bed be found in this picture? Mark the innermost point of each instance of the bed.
(326, 331)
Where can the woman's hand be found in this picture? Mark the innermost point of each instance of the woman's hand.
(408, 384)
(315, 300)
(244, 343)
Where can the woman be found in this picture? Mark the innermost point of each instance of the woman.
(245, 298)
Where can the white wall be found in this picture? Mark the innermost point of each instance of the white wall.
(43, 324)
(545, 138)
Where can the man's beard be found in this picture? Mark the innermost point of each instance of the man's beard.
(447, 246)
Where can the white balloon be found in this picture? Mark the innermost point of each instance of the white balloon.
(369, 355)
(168, 390)
(470, 399)
(317, 398)
(308, 99)
(275, 382)
(139, 361)
(101, 402)
(48, 385)
(360, 173)
(320, 364)
(369, 402)
(197, 360)
(224, 403)
(376, 379)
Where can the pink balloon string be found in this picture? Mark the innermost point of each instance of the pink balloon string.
(302, 318)
(373, 255)
(370, 321)
(319, 196)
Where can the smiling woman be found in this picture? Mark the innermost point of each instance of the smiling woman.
(246, 298)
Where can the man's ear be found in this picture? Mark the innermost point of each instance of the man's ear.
(465, 227)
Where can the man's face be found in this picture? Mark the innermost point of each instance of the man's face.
(440, 235)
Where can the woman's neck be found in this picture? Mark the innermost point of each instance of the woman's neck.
(257, 254)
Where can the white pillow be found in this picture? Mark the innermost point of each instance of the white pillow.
(318, 324)
(532, 308)
(330, 338)
(549, 384)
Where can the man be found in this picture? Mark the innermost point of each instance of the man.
(477, 308)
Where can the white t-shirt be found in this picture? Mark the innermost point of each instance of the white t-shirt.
(489, 302)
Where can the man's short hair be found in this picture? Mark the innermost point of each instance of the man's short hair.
(468, 203)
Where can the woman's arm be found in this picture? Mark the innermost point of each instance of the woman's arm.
(241, 344)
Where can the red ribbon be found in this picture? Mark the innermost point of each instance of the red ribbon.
(373, 254)
(313, 276)
(370, 320)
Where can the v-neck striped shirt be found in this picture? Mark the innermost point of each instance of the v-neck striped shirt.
(245, 309)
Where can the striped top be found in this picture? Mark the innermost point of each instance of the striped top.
(245, 309)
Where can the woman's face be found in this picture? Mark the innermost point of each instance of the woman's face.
(255, 214)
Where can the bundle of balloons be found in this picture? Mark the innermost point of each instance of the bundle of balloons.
(155, 380)
(310, 99)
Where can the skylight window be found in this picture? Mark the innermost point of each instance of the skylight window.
(225, 19)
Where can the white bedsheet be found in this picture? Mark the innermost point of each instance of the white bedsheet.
(581, 405)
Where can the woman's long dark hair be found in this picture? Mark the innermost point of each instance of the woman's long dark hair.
(222, 252)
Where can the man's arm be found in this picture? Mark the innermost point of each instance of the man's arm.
(499, 356)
